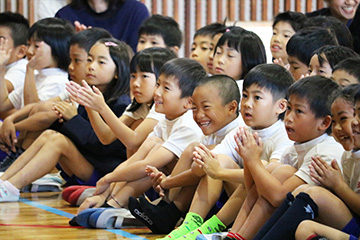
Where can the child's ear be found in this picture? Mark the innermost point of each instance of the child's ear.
(21, 51)
(175, 49)
(233, 107)
(188, 102)
(281, 105)
(325, 123)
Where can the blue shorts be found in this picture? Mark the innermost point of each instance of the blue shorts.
(353, 227)
(74, 180)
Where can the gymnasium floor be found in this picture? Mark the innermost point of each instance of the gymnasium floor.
(45, 216)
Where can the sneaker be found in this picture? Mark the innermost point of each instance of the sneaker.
(76, 195)
(49, 183)
(82, 219)
(8, 193)
(213, 236)
(10, 159)
(109, 218)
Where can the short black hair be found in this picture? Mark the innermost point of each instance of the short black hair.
(56, 33)
(357, 97)
(164, 26)
(334, 54)
(18, 25)
(351, 66)
(87, 38)
(149, 60)
(347, 93)
(304, 42)
(210, 30)
(186, 71)
(295, 19)
(248, 44)
(227, 87)
(318, 92)
(339, 29)
(273, 78)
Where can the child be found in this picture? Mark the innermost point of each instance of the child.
(202, 43)
(163, 146)
(285, 25)
(307, 122)
(215, 110)
(37, 117)
(49, 45)
(14, 27)
(160, 31)
(347, 72)
(325, 58)
(76, 150)
(302, 45)
(237, 52)
(262, 105)
(334, 190)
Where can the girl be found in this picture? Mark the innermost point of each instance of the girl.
(347, 72)
(237, 52)
(325, 58)
(75, 149)
(140, 117)
(341, 191)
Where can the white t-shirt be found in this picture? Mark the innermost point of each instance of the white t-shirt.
(240, 84)
(275, 141)
(218, 136)
(177, 134)
(144, 112)
(50, 82)
(351, 169)
(299, 154)
(15, 73)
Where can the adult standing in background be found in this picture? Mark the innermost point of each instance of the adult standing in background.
(122, 18)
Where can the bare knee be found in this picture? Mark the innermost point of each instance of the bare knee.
(283, 172)
(304, 230)
(197, 170)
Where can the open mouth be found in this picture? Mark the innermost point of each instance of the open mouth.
(204, 124)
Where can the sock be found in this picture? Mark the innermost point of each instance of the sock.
(234, 236)
(275, 216)
(212, 225)
(303, 208)
(11, 188)
(162, 211)
(191, 222)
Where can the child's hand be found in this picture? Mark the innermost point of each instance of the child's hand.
(304, 76)
(208, 161)
(324, 174)
(38, 61)
(8, 135)
(101, 186)
(4, 51)
(92, 202)
(91, 98)
(280, 62)
(65, 110)
(73, 88)
(80, 27)
(249, 146)
(157, 178)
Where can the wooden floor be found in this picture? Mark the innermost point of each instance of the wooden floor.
(46, 215)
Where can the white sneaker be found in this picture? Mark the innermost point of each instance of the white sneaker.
(212, 236)
(8, 193)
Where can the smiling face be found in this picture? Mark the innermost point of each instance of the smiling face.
(258, 108)
(78, 61)
(315, 68)
(100, 68)
(300, 121)
(342, 115)
(297, 68)
(167, 98)
(344, 10)
(143, 86)
(209, 111)
(228, 61)
(343, 78)
(200, 50)
(148, 41)
(282, 32)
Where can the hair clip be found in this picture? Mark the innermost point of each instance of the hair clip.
(110, 44)
(227, 30)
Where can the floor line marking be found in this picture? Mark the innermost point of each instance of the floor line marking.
(69, 215)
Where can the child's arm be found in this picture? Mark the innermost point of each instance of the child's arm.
(331, 178)
(5, 103)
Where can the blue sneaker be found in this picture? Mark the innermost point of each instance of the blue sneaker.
(109, 218)
(83, 217)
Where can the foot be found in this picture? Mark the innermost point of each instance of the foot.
(9, 193)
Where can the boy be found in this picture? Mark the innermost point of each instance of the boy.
(262, 105)
(202, 44)
(307, 122)
(215, 110)
(302, 45)
(347, 72)
(285, 25)
(160, 31)
(163, 146)
(34, 118)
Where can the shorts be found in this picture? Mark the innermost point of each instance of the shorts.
(74, 180)
(353, 227)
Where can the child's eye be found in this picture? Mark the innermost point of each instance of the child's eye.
(288, 108)
(101, 62)
(343, 118)
(145, 76)
(299, 111)
(244, 95)
(206, 106)
(142, 41)
(167, 88)
(204, 48)
(154, 43)
(192, 49)
(257, 97)
(89, 60)
(132, 75)
(287, 36)
(274, 33)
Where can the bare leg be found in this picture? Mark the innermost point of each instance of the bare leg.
(307, 228)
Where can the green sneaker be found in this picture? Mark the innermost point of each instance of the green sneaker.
(192, 221)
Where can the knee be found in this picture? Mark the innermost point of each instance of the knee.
(197, 170)
(191, 147)
(304, 229)
(47, 134)
(41, 107)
